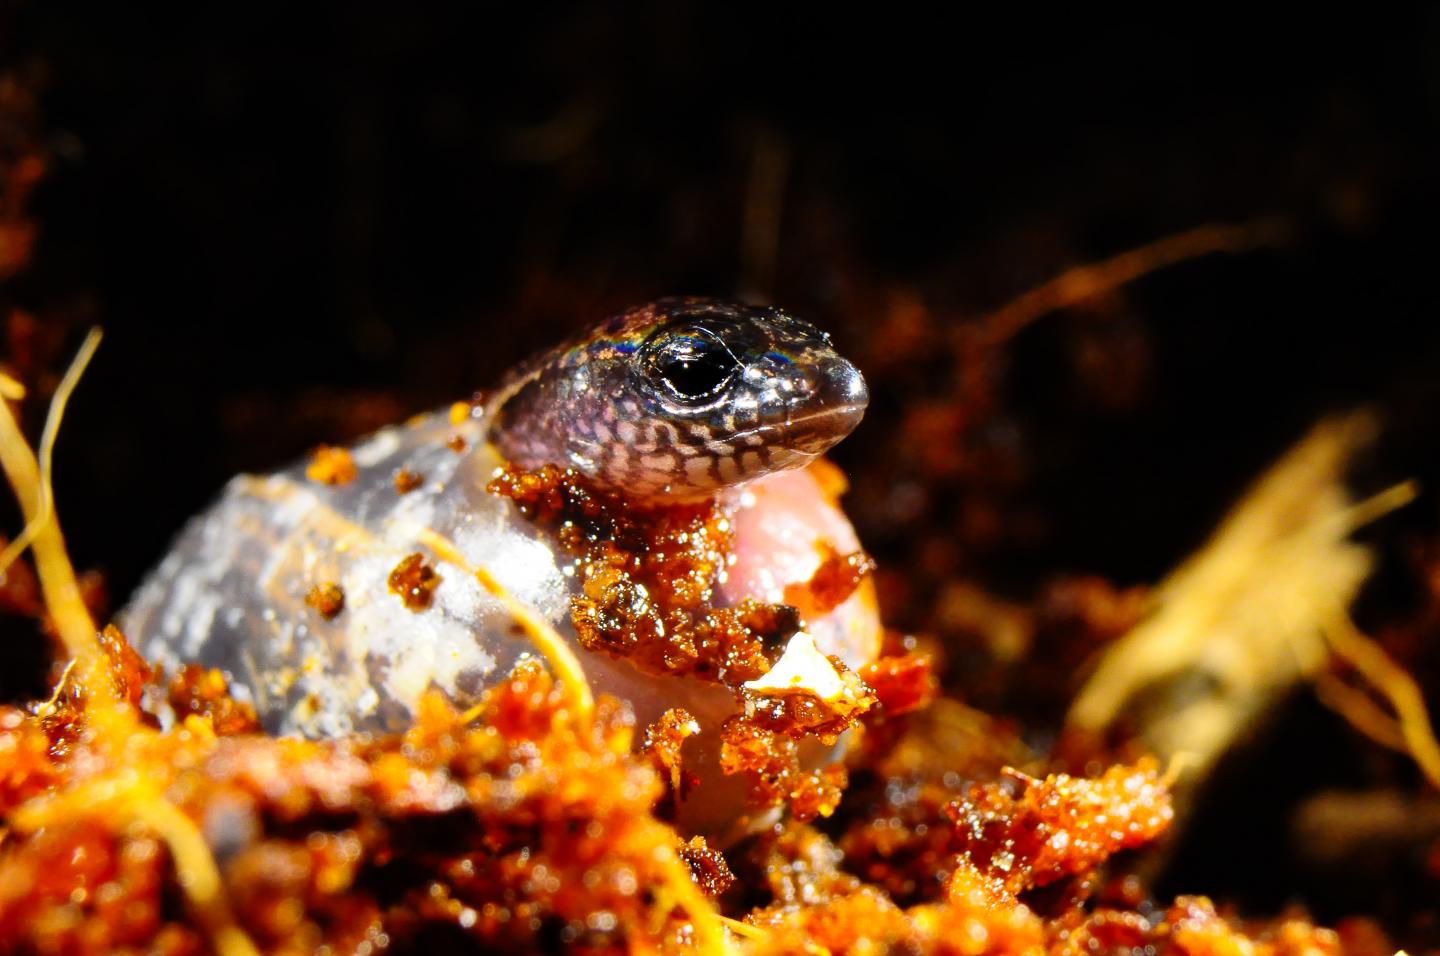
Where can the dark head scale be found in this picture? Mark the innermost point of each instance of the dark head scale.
(682, 397)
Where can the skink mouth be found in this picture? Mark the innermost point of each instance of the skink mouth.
(817, 433)
(831, 411)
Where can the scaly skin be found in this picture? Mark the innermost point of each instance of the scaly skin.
(760, 392)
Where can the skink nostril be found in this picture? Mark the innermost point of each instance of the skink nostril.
(841, 386)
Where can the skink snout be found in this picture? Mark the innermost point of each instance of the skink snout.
(835, 401)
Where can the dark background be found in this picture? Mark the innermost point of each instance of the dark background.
(295, 225)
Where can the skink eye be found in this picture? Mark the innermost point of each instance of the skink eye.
(692, 363)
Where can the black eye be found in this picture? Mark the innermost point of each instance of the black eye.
(692, 363)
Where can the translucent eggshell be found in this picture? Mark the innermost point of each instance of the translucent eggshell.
(231, 594)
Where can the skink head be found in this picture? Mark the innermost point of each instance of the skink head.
(681, 398)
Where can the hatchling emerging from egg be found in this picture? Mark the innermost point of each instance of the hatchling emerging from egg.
(321, 593)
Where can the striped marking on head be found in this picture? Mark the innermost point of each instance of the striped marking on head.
(682, 397)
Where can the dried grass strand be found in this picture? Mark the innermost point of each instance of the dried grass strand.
(743, 929)
(114, 725)
(1360, 711)
(708, 924)
(197, 872)
(561, 658)
(1083, 282)
(48, 435)
(1396, 685)
(557, 653)
(128, 795)
(58, 584)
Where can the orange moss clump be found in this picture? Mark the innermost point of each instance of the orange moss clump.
(26, 766)
(975, 920)
(818, 907)
(803, 714)
(1059, 826)
(842, 914)
(648, 594)
(650, 574)
(902, 842)
(515, 827)
(649, 579)
(902, 683)
(707, 866)
(863, 921)
(1192, 927)
(63, 717)
(506, 827)
(414, 581)
(202, 692)
(331, 466)
(977, 917)
(327, 599)
(76, 888)
(663, 740)
(407, 481)
(832, 583)
(776, 779)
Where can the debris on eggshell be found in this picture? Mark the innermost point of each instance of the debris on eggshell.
(801, 669)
